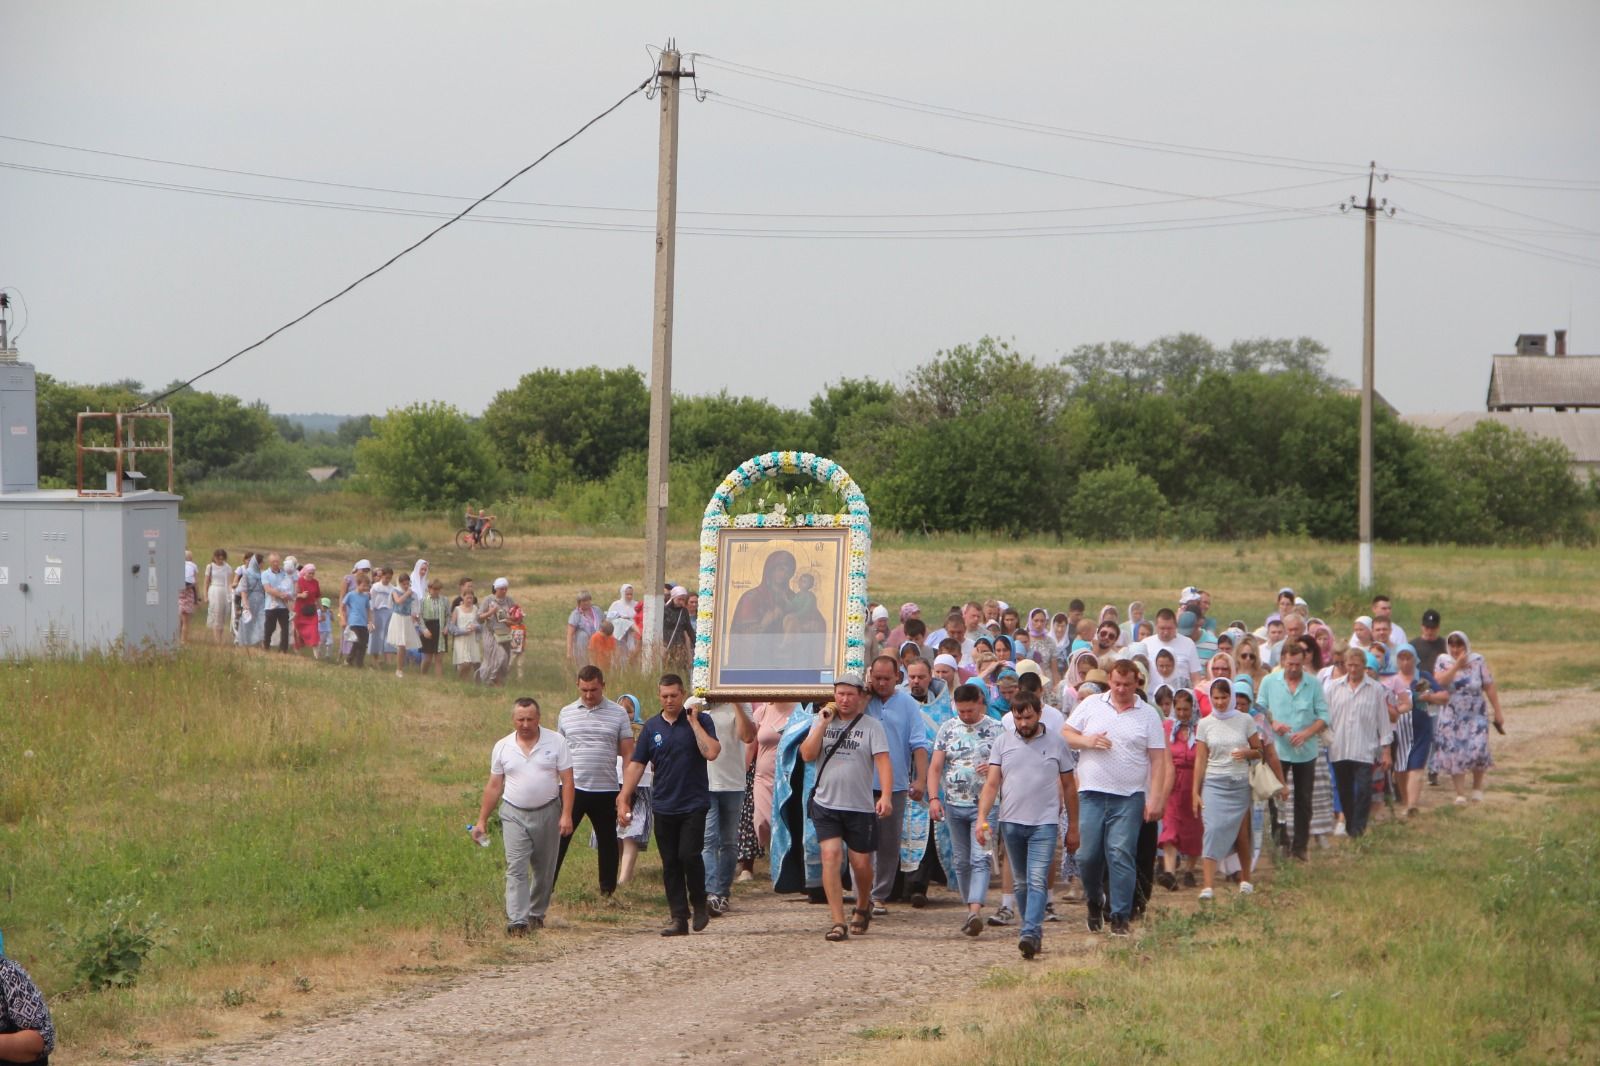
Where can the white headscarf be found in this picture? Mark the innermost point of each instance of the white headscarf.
(621, 612)
(419, 581)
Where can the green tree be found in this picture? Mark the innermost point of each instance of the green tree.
(846, 409)
(427, 456)
(727, 430)
(1502, 485)
(589, 417)
(213, 430)
(1117, 502)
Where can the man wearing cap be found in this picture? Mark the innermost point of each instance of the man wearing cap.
(678, 744)
(851, 750)
(909, 752)
(598, 731)
(1430, 645)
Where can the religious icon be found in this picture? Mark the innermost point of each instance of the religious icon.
(779, 611)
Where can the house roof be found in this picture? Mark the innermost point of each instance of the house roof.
(1579, 431)
(1544, 381)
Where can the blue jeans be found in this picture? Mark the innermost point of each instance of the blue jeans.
(722, 841)
(972, 861)
(1108, 832)
(1031, 849)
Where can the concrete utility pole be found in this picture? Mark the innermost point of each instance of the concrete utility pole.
(655, 502)
(1368, 336)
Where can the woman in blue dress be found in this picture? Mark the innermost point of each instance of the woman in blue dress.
(253, 604)
(1461, 732)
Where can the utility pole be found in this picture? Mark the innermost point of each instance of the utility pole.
(1368, 351)
(655, 505)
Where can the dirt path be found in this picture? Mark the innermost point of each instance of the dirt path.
(760, 985)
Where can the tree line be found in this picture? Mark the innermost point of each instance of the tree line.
(1178, 437)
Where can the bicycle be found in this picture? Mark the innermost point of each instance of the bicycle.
(486, 536)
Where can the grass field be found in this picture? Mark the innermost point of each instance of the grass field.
(298, 828)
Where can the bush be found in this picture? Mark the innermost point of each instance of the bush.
(1117, 502)
(109, 951)
(427, 456)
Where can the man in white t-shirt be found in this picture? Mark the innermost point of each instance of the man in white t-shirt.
(725, 774)
(530, 777)
(1124, 774)
(1383, 608)
(1185, 656)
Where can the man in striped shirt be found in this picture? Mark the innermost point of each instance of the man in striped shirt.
(1358, 712)
(597, 731)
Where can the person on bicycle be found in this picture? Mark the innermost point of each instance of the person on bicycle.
(475, 525)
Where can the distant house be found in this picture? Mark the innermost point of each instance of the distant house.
(1547, 394)
(320, 474)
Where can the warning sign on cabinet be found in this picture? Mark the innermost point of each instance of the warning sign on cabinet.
(52, 575)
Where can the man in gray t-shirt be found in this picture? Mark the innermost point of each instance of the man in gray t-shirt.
(851, 750)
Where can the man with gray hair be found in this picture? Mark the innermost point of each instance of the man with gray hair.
(530, 778)
(279, 585)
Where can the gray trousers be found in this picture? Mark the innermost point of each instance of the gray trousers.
(533, 840)
(886, 863)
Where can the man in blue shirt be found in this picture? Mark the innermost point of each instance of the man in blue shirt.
(909, 751)
(1297, 711)
(677, 743)
(279, 584)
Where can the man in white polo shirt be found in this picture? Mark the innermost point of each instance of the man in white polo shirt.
(598, 731)
(1124, 774)
(530, 777)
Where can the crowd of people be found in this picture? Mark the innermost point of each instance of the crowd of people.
(1113, 754)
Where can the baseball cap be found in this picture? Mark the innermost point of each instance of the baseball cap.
(853, 680)
(1189, 595)
(1430, 617)
(1186, 621)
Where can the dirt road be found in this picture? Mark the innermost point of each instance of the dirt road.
(760, 985)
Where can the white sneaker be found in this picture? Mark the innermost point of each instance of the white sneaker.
(1246, 888)
(1338, 830)
(1477, 795)
(1206, 895)
(1461, 801)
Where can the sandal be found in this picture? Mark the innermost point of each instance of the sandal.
(837, 933)
(860, 920)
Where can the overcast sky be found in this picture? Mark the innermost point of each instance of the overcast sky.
(155, 284)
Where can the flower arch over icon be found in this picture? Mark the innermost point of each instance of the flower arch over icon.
(856, 517)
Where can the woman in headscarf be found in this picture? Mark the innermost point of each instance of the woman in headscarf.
(1131, 626)
(1180, 829)
(307, 594)
(1227, 743)
(1461, 733)
(620, 614)
(677, 627)
(419, 580)
(582, 623)
(1041, 647)
(1416, 701)
(253, 603)
(1063, 642)
(1078, 666)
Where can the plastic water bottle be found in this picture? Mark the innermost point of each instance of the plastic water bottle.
(481, 843)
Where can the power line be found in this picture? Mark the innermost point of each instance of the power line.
(1133, 225)
(787, 116)
(1496, 207)
(557, 206)
(1509, 244)
(424, 239)
(1224, 155)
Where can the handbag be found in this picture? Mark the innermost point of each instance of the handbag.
(1264, 784)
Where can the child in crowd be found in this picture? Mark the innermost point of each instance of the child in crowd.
(603, 646)
(324, 630)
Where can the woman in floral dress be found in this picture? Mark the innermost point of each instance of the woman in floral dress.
(1461, 733)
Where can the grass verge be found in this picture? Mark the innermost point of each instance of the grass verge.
(1471, 936)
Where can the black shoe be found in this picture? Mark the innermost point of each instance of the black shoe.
(918, 899)
(1119, 926)
(678, 927)
(1167, 880)
(702, 917)
(1433, 777)
(1188, 879)
(1094, 922)
(1028, 946)
(517, 929)
(973, 925)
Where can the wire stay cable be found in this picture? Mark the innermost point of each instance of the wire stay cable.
(407, 250)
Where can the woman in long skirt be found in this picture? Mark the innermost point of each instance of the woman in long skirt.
(1228, 743)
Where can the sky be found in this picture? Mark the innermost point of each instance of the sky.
(130, 281)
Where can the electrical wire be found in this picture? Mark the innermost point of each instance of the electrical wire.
(1495, 207)
(1224, 155)
(1510, 244)
(1055, 229)
(413, 246)
(788, 116)
(151, 183)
